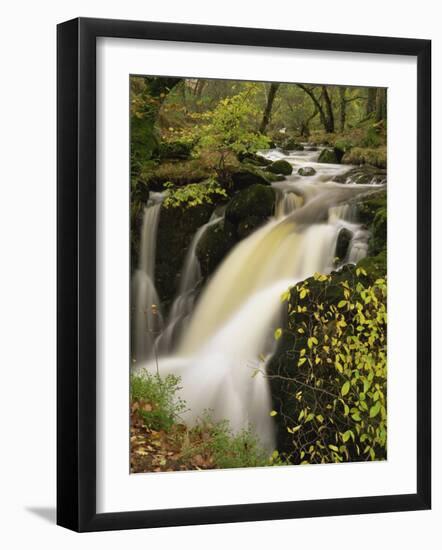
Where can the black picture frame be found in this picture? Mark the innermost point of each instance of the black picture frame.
(76, 274)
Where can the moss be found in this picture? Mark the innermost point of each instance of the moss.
(328, 156)
(375, 266)
(273, 177)
(257, 200)
(247, 175)
(369, 204)
(359, 155)
(255, 159)
(175, 150)
(292, 145)
(281, 167)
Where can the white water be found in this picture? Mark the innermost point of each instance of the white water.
(230, 329)
(147, 320)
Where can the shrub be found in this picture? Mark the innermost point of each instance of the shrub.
(156, 400)
(334, 389)
(193, 194)
(228, 450)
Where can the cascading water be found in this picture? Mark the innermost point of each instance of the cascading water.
(183, 304)
(229, 333)
(147, 320)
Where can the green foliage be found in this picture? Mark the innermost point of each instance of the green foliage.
(211, 444)
(231, 126)
(372, 137)
(338, 379)
(159, 404)
(229, 450)
(193, 194)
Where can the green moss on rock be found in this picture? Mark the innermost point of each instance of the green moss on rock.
(281, 167)
(328, 156)
(257, 200)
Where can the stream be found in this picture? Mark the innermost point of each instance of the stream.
(218, 338)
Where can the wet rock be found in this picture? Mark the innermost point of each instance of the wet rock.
(344, 238)
(281, 167)
(328, 156)
(292, 145)
(254, 158)
(248, 175)
(176, 228)
(307, 171)
(214, 246)
(257, 200)
(364, 174)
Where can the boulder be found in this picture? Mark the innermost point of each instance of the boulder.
(328, 156)
(257, 200)
(254, 158)
(281, 167)
(307, 171)
(176, 228)
(247, 175)
(213, 246)
(292, 145)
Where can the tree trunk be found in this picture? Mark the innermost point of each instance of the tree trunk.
(371, 101)
(330, 120)
(268, 110)
(326, 117)
(342, 107)
(381, 104)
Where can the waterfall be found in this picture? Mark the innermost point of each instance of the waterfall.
(183, 304)
(225, 335)
(147, 320)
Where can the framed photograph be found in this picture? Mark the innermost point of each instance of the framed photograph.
(224, 274)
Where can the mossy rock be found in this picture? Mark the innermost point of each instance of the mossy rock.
(180, 150)
(369, 204)
(254, 158)
(373, 213)
(273, 177)
(375, 266)
(363, 155)
(292, 145)
(257, 200)
(214, 245)
(176, 228)
(282, 369)
(328, 156)
(364, 175)
(281, 167)
(307, 171)
(247, 175)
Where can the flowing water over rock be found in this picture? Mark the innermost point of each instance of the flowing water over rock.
(219, 341)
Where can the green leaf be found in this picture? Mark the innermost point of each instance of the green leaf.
(342, 303)
(375, 409)
(273, 413)
(345, 388)
(278, 333)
